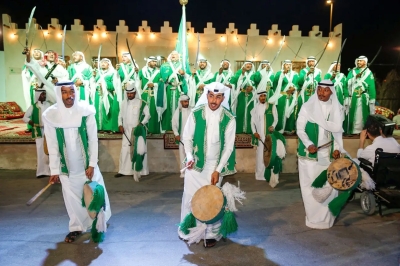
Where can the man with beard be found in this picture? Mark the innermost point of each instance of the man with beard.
(285, 97)
(319, 122)
(264, 118)
(107, 97)
(340, 82)
(224, 73)
(202, 76)
(242, 97)
(148, 79)
(33, 117)
(264, 77)
(81, 73)
(134, 112)
(308, 80)
(71, 135)
(361, 84)
(178, 124)
(173, 83)
(127, 70)
(209, 140)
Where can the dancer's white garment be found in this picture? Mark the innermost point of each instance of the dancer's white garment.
(42, 159)
(72, 185)
(318, 215)
(129, 118)
(175, 128)
(195, 180)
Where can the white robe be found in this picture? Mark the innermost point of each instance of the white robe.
(42, 158)
(195, 180)
(318, 215)
(257, 126)
(72, 185)
(175, 128)
(129, 119)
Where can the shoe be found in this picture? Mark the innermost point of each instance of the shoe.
(118, 175)
(42, 176)
(209, 243)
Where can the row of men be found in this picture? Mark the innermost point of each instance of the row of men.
(161, 88)
(208, 137)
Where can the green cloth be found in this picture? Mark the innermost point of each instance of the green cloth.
(268, 121)
(363, 89)
(83, 139)
(36, 131)
(171, 94)
(257, 77)
(107, 122)
(85, 75)
(200, 140)
(310, 89)
(201, 73)
(289, 125)
(154, 125)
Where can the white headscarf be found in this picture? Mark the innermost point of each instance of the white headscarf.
(331, 68)
(183, 97)
(59, 116)
(315, 114)
(362, 57)
(229, 68)
(208, 66)
(215, 87)
(287, 62)
(81, 54)
(252, 70)
(311, 58)
(264, 69)
(133, 61)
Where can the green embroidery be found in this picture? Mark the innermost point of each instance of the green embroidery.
(36, 131)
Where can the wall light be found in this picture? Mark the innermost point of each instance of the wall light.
(59, 35)
(13, 35)
(139, 36)
(330, 45)
(152, 35)
(94, 35)
(222, 38)
(104, 34)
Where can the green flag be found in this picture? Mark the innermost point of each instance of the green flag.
(181, 44)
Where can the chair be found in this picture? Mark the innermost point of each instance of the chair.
(386, 174)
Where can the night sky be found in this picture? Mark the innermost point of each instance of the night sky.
(367, 24)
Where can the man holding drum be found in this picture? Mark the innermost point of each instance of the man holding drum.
(71, 134)
(319, 127)
(208, 138)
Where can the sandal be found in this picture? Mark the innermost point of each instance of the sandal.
(209, 243)
(72, 236)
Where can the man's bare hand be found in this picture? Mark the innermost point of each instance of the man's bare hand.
(136, 69)
(257, 136)
(336, 154)
(312, 149)
(54, 179)
(89, 172)
(27, 54)
(121, 129)
(150, 85)
(243, 71)
(178, 138)
(220, 70)
(54, 81)
(181, 72)
(201, 86)
(31, 123)
(190, 164)
(271, 129)
(78, 82)
(214, 178)
(117, 66)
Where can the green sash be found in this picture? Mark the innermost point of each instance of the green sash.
(36, 131)
(200, 140)
(62, 149)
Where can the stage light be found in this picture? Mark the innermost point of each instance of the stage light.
(13, 35)
(330, 45)
(59, 35)
(139, 36)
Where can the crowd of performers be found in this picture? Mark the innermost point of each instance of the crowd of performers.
(204, 110)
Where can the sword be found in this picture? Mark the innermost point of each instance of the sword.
(129, 50)
(340, 54)
(326, 45)
(116, 49)
(279, 50)
(63, 43)
(245, 50)
(197, 54)
(27, 29)
(98, 59)
(298, 50)
(44, 38)
(130, 143)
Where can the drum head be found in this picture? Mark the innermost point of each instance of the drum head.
(88, 197)
(207, 203)
(342, 174)
(267, 150)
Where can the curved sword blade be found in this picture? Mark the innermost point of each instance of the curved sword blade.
(279, 50)
(63, 43)
(129, 50)
(116, 49)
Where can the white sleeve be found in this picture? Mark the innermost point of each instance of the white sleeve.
(27, 115)
(52, 147)
(187, 137)
(275, 115)
(91, 129)
(146, 114)
(229, 145)
(252, 120)
(175, 122)
(301, 128)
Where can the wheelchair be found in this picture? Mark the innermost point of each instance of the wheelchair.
(386, 174)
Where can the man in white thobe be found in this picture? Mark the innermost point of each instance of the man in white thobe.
(319, 122)
(178, 124)
(133, 111)
(33, 117)
(74, 161)
(264, 118)
(207, 165)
